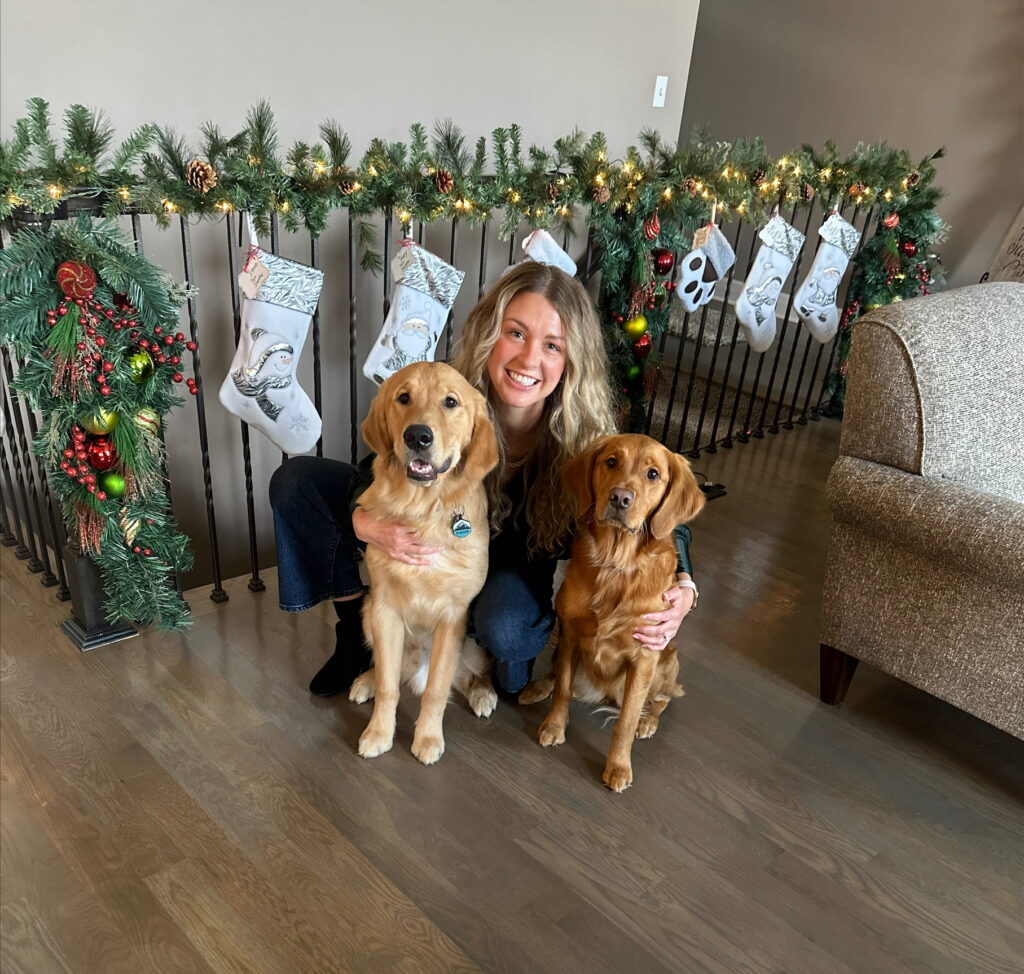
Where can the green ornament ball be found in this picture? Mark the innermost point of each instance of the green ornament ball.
(140, 365)
(112, 483)
(99, 423)
(635, 327)
(634, 372)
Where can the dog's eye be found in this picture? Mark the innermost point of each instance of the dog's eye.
(653, 474)
(403, 398)
(611, 463)
(450, 402)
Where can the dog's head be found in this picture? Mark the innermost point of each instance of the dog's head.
(631, 482)
(428, 419)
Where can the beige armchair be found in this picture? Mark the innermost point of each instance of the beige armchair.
(925, 571)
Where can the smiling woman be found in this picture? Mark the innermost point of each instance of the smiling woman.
(533, 347)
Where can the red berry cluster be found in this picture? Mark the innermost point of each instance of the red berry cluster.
(139, 550)
(165, 349)
(80, 471)
(922, 275)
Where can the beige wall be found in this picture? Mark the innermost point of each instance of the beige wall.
(917, 73)
(550, 65)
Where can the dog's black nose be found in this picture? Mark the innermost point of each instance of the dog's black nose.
(418, 436)
(620, 498)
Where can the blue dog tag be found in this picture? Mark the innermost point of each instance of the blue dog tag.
(461, 527)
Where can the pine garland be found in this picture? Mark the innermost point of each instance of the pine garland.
(77, 303)
(653, 199)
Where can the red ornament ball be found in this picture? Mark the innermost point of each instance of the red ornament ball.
(890, 221)
(909, 248)
(76, 280)
(642, 346)
(664, 261)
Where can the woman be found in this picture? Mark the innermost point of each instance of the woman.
(533, 346)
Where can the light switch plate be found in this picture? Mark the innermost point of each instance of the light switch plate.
(660, 89)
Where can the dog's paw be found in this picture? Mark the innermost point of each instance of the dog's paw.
(537, 690)
(482, 698)
(372, 743)
(551, 734)
(618, 777)
(363, 687)
(646, 727)
(428, 748)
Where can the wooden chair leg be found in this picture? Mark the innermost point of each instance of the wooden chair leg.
(836, 673)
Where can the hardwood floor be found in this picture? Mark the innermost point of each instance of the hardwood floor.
(182, 804)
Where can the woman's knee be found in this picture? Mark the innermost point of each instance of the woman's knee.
(511, 631)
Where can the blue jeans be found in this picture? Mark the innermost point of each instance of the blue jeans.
(511, 618)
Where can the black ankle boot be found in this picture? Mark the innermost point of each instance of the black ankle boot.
(351, 654)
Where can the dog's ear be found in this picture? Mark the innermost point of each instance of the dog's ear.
(375, 426)
(578, 476)
(682, 502)
(481, 455)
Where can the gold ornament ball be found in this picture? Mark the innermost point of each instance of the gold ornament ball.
(148, 420)
(635, 327)
(871, 307)
(99, 423)
(140, 365)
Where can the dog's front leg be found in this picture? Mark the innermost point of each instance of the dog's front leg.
(618, 769)
(552, 731)
(387, 636)
(428, 740)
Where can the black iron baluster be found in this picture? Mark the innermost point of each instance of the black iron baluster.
(6, 538)
(11, 500)
(314, 259)
(218, 594)
(512, 249)
(255, 582)
(56, 534)
(137, 233)
(695, 451)
(698, 343)
(587, 265)
(387, 262)
(661, 344)
(685, 327)
(483, 259)
(816, 409)
(803, 365)
(727, 441)
(450, 321)
(22, 466)
(759, 431)
(352, 346)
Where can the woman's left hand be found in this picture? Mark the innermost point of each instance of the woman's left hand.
(658, 629)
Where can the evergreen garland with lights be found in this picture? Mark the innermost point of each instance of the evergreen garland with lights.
(642, 209)
(93, 324)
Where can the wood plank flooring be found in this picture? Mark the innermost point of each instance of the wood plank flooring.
(174, 804)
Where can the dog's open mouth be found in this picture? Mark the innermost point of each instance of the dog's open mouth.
(423, 471)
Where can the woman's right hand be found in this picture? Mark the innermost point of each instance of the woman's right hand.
(395, 539)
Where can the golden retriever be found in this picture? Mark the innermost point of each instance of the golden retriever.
(435, 444)
(630, 492)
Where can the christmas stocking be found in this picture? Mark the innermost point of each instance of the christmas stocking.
(279, 298)
(541, 247)
(816, 299)
(425, 290)
(755, 307)
(705, 265)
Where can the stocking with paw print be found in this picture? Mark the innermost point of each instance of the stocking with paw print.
(705, 265)
(261, 388)
(816, 299)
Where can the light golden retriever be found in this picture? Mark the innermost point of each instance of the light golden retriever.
(630, 492)
(435, 444)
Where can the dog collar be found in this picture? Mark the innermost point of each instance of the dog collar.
(460, 526)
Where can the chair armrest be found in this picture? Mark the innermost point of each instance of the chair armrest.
(970, 530)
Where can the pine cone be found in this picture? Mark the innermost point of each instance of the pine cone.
(757, 177)
(857, 189)
(652, 226)
(914, 178)
(346, 187)
(806, 192)
(552, 192)
(444, 181)
(602, 194)
(689, 186)
(201, 176)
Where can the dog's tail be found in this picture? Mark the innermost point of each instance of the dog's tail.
(612, 713)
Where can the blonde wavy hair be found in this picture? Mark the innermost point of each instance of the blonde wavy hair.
(576, 412)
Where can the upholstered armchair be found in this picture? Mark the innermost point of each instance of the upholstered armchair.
(925, 571)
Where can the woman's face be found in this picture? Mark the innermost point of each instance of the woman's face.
(529, 357)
